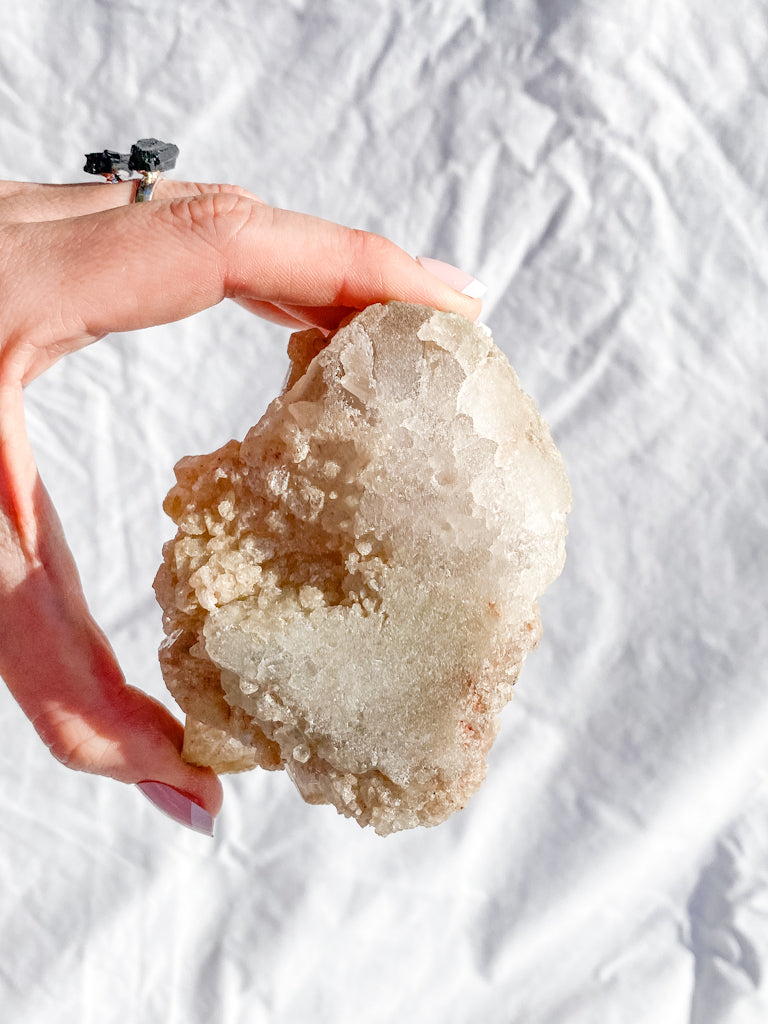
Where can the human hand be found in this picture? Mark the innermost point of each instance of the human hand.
(76, 263)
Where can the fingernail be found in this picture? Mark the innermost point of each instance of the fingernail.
(178, 806)
(460, 280)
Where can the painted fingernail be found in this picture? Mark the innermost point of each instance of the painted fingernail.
(178, 806)
(460, 280)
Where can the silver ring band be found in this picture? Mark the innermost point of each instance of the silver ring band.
(146, 186)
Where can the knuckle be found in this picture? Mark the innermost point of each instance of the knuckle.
(370, 248)
(171, 189)
(367, 256)
(64, 743)
(71, 739)
(216, 217)
(236, 190)
(75, 758)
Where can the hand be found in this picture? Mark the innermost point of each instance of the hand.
(80, 261)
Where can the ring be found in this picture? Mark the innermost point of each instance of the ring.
(148, 158)
(145, 186)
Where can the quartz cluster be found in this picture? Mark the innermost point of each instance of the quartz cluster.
(354, 587)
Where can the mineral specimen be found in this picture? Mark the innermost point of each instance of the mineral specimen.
(107, 162)
(152, 155)
(353, 588)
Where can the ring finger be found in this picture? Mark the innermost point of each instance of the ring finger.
(26, 202)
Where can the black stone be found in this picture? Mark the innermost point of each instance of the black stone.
(153, 155)
(106, 162)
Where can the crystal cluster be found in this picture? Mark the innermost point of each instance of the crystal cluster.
(353, 588)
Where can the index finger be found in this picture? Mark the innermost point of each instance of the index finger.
(152, 263)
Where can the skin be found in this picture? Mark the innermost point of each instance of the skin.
(76, 263)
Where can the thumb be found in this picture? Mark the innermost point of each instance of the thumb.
(60, 667)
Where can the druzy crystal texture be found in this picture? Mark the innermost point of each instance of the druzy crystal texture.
(354, 587)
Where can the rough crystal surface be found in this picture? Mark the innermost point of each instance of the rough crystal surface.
(153, 155)
(353, 588)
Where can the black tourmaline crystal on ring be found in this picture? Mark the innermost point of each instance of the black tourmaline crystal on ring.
(107, 162)
(149, 155)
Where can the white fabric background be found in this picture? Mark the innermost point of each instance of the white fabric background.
(602, 167)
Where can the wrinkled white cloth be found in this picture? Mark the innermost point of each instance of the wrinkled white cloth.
(602, 167)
